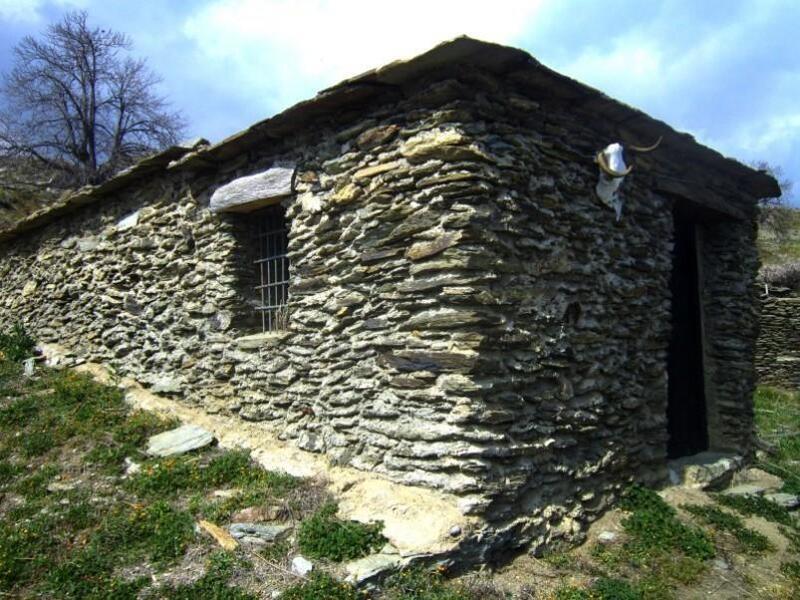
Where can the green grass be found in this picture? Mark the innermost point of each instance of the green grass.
(654, 526)
(170, 477)
(779, 249)
(214, 584)
(659, 552)
(321, 585)
(791, 570)
(71, 541)
(778, 422)
(605, 588)
(758, 506)
(750, 541)
(323, 535)
(423, 584)
(410, 584)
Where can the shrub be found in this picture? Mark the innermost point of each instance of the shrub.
(422, 584)
(791, 570)
(323, 535)
(16, 345)
(321, 585)
(784, 275)
(654, 525)
(607, 588)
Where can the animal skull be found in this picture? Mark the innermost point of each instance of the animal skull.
(613, 170)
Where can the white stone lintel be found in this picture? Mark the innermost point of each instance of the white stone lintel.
(254, 191)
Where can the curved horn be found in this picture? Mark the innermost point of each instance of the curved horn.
(646, 148)
(601, 161)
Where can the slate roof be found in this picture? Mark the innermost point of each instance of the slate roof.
(357, 91)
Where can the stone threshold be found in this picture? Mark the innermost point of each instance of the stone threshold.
(705, 471)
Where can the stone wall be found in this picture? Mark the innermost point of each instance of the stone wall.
(571, 379)
(729, 267)
(778, 347)
(465, 314)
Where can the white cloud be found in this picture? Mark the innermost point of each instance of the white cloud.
(633, 68)
(29, 11)
(19, 10)
(284, 47)
(779, 131)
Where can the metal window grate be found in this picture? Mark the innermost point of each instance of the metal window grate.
(272, 266)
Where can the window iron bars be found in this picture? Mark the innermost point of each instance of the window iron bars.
(272, 266)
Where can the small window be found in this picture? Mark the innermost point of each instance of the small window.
(272, 268)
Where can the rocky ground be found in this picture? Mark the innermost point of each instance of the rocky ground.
(101, 501)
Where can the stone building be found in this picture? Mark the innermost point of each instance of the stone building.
(420, 272)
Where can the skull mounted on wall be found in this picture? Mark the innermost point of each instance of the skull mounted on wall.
(611, 162)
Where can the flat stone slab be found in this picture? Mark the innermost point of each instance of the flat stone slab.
(255, 533)
(370, 568)
(607, 537)
(253, 191)
(745, 489)
(179, 441)
(787, 501)
(759, 477)
(705, 471)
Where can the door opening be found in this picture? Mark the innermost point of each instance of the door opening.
(686, 409)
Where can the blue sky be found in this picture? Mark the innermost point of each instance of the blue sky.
(726, 71)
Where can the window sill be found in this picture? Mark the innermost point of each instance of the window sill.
(268, 339)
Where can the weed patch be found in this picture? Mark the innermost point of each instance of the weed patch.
(213, 584)
(654, 525)
(659, 552)
(323, 535)
(16, 345)
(422, 584)
(605, 588)
(750, 541)
(758, 506)
(321, 585)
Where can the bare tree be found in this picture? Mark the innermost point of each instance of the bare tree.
(776, 217)
(77, 105)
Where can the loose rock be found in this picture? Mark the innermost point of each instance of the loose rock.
(371, 568)
(607, 537)
(223, 538)
(254, 533)
(257, 514)
(131, 467)
(788, 501)
(301, 566)
(179, 441)
(746, 489)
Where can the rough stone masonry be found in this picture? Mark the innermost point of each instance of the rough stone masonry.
(464, 313)
(778, 347)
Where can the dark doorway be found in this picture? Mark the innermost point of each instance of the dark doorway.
(686, 410)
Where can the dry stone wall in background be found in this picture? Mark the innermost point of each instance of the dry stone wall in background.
(778, 348)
